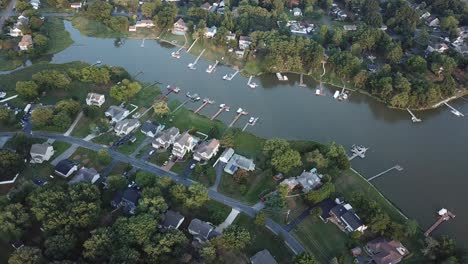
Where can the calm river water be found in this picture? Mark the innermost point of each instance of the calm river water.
(434, 153)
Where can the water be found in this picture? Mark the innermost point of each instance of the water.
(433, 153)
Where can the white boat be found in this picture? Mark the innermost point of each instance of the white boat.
(253, 85)
(239, 110)
(336, 94)
(279, 76)
(225, 77)
(457, 113)
(175, 54)
(344, 96)
(251, 120)
(222, 105)
(317, 92)
(210, 68)
(285, 78)
(191, 66)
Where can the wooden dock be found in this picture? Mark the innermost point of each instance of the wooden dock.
(206, 101)
(240, 113)
(250, 124)
(444, 215)
(211, 68)
(396, 167)
(413, 116)
(453, 110)
(221, 109)
(191, 46)
(229, 77)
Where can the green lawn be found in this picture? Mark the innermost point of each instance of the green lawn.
(105, 139)
(146, 96)
(7, 64)
(159, 158)
(94, 28)
(59, 37)
(324, 240)
(258, 184)
(206, 177)
(87, 158)
(128, 147)
(263, 238)
(180, 166)
(59, 148)
(212, 211)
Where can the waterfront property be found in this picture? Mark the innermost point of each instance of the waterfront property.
(150, 129)
(179, 27)
(342, 214)
(308, 180)
(244, 42)
(41, 152)
(166, 138)
(384, 251)
(206, 150)
(26, 42)
(126, 126)
(116, 113)
(95, 99)
(239, 162)
(183, 144)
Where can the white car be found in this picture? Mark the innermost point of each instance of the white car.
(151, 152)
(193, 166)
(165, 163)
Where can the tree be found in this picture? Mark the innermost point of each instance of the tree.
(27, 89)
(416, 64)
(274, 201)
(60, 246)
(21, 144)
(305, 258)
(98, 75)
(316, 212)
(145, 179)
(260, 219)
(91, 111)
(165, 17)
(197, 196)
(125, 90)
(99, 11)
(165, 243)
(450, 24)
(275, 145)
(208, 253)
(35, 22)
(233, 238)
(13, 221)
(179, 192)
(160, 108)
(240, 176)
(147, 9)
(42, 116)
(321, 194)
(156, 206)
(10, 164)
(61, 120)
(40, 42)
(286, 161)
(51, 79)
(317, 158)
(337, 155)
(228, 140)
(116, 182)
(411, 228)
(103, 157)
(26, 255)
(5, 114)
(98, 247)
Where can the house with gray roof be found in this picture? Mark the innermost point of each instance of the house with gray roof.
(85, 174)
(166, 138)
(206, 150)
(41, 152)
(183, 144)
(344, 215)
(126, 126)
(128, 200)
(150, 129)
(201, 231)
(308, 180)
(116, 113)
(239, 162)
(172, 220)
(384, 251)
(263, 257)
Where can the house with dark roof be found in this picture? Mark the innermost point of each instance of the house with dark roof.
(263, 257)
(85, 174)
(179, 28)
(128, 200)
(116, 113)
(150, 129)
(65, 168)
(206, 150)
(432, 21)
(172, 220)
(166, 138)
(201, 231)
(41, 152)
(344, 215)
(384, 251)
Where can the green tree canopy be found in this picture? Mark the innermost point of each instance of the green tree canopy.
(27, 89)
(125, 90)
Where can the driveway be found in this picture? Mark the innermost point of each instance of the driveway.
(229, 220)
(219, 169)
(187, 170)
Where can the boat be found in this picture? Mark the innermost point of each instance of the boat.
(251, 120)
(279, 76)
(191, 66)
(285, 78)
(175, 54)
(210, 68)
(253, 85)
(344, 96)
(336, 94)
(455, 112)
(239, 110)
(226, 77)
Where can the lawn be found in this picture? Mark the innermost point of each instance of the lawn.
(262, 238)
(87, 158)
(206, 177)
(212, 211)
(105, 139)
(7, 64)
(159, 158)
(59, 148)
(146, 97)
(59, 37)
(324, 240)
(180, 166)
(128, 147)
(258, 184)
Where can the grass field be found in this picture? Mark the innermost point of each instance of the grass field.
(94, 28)
(59, 37)
(128, 147)
(87, 158)
(59, 148)
(7, 64)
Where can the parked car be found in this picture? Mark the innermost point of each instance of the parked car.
(193, 166)
(151, 152)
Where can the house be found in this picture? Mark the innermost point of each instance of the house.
(225, 156)
(41, 152)
(76, 5)
(230, 36)
(344, 215)
(297, 12)
(128, 200)
(439, 47)
(432, 21)
(65, 168)
(463, 50)
(244, 42)
(179, 27)
(183, 144)
(239, 162)
(116, 113)
(172, 220)
(132, 28)
(206, 150)
(16, 32)
(308, 180)
(201, 231)
(166, 138)
(85, 174)
(210, 32)
(150, 129)
(263, 257)
(206, 6)
(95, 99)
(145, 23)
(26, 42)
(425, 15)
(350, 27)
(35, 4)
(126, 126)
(383, 251)
(372, 68)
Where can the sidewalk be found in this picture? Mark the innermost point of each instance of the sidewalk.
(229, 219)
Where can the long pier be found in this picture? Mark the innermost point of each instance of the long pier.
(228, 77)
(191, 46)
(444, 215)
(453, 110)
(211, 68)
(413, 117)
(222, 108)
(301, 81)
(240, 113)
(192, 65)
(396, 167)
(206, 101)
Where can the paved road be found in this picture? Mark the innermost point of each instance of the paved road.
(290, 241)
(7, 12)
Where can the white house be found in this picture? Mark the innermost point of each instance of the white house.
(116, 113)
(76, 5)
(35, 4)
(95, 99)
(439, 47)
(206, 150)
(239, 162)
(183, 144)
(126, 126)
(41, 152)
(210, 32)
(166, 138)
(244, 42)
(145, 23)
(16, 32)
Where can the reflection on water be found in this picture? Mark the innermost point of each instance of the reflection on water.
(433, 153)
